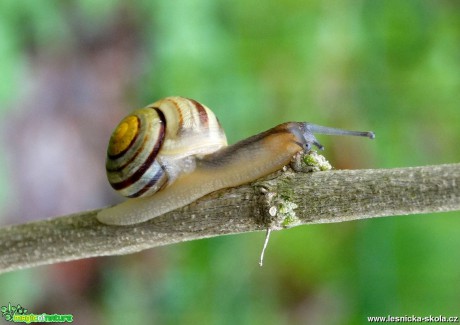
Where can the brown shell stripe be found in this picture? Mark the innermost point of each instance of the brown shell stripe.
(150, 184)
(203, 115)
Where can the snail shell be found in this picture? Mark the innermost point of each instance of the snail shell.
(152, 146)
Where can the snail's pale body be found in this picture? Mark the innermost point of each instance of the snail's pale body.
(208, 170)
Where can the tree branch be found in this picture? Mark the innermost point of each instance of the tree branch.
(321, 197)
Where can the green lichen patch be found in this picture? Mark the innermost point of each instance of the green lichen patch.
(281, 211)
(316, 161)
(309, 162)
(279, 197)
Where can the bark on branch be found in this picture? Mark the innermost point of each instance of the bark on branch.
(321, 197)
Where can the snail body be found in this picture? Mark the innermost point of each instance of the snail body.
(174, 151)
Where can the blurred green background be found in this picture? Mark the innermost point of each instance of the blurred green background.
(72, 69)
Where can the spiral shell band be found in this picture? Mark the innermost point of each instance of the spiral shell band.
(131, 166)
(151, 146)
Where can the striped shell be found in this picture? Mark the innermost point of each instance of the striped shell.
(154, 145)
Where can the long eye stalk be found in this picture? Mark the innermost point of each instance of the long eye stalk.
(309, 130)
(333, 131)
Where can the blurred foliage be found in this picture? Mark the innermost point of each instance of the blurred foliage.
(390, 66)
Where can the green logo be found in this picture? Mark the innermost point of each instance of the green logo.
(18, 314)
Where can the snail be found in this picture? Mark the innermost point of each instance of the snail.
(174, 151)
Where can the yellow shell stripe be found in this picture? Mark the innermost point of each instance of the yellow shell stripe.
(123, 136)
